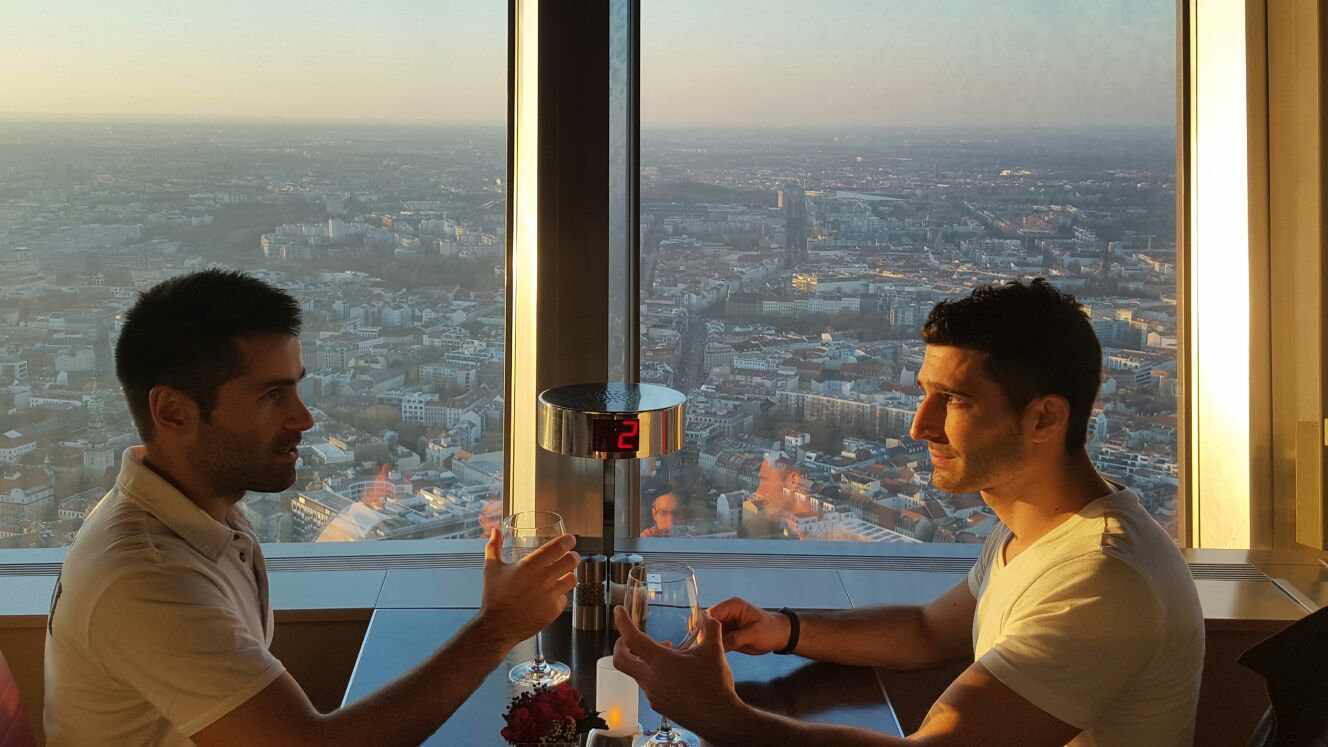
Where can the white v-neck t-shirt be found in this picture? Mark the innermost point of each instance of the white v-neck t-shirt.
(1097, 623)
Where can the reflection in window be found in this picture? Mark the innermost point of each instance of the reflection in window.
(813, 181)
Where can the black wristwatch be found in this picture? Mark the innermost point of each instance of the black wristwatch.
(794, 630)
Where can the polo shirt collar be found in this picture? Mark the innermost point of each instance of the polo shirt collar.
(179, 514)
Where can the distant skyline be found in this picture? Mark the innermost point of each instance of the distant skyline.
(722, 63)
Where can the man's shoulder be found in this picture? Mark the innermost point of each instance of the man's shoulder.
(122, 547)
(1097, 568)
(1130, 563)
(117, 534)
(1131, 535)
(1119, 526)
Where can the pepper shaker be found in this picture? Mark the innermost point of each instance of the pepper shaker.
(588, 602)
(620, 565)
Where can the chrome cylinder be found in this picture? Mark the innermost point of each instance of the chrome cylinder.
(568, 419)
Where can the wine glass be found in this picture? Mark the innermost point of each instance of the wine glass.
(524, 533)
(663, 601)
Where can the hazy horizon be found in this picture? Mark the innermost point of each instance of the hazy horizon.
(736, 65)
(125, 119)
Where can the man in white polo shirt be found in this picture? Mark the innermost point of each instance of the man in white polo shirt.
(160, 623)
(1080, 618)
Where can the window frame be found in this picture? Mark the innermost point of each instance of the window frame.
(1297, 41)
(1188, 426)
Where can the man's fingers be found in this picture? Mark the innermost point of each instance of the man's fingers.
(552, 551)
(565, 564)
(730, 610)
(740, 641)
(632, 637)
(712, 632)
(629, 663)
(626, 628)
(736, 639)
(493, 549)
(565, 582)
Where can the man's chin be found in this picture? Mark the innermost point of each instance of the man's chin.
(949, 483)
(273, 484)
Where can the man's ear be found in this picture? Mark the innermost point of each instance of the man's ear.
(172, 410)
(1047, 418)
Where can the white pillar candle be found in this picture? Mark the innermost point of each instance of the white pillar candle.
(616, 698)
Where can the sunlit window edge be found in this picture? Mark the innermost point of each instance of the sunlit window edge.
(525, 261)
(1219, 353)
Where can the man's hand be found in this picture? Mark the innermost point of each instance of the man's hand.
(749, 629)
(521, 598)
(692, 686)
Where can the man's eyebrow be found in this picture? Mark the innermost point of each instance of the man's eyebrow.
(943, 388)
(286, 382)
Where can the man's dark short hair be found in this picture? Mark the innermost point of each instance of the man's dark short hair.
(1037, 341)
(182, 332)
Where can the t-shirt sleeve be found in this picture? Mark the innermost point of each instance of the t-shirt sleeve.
(173, 637)
(1094, 625)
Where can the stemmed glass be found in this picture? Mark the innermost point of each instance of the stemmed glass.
(663, 601)
(524, 533)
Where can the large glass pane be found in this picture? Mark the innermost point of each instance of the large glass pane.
(816, 176)
(351, 154)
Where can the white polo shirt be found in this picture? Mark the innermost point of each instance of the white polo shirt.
(160, 623)
(1096, 623)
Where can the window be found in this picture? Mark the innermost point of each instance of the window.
(813, 180)
(340, 155)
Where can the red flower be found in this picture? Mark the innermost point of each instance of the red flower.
(567, 701)
(548, 713)
(522, 726)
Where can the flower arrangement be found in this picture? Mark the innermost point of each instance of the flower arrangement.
(545, 715)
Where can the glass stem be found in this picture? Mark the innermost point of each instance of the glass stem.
(538, 666)
(664, 726)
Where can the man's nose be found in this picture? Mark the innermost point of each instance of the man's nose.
(928, 422)
(304, 420)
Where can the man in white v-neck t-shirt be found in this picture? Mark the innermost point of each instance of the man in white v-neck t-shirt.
(1080, 619)
(1109, 594)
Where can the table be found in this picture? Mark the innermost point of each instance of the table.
(399, 639)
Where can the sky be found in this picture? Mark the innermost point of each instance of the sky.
(711, 63)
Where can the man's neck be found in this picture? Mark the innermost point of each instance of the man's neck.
(191, 486)
(1033, 505)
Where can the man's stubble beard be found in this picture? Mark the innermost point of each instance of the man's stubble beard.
(985, 466)
(232, 464)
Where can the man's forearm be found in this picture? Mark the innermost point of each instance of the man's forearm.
(748, 725)
(413, 706)
(888, 637)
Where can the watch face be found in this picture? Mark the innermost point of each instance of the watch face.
(616, 436)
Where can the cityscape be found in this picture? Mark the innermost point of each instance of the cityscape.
(785, 280)
(785, 277)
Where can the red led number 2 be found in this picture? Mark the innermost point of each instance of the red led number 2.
(627, 439)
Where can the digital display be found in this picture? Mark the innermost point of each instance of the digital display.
(616, 436)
